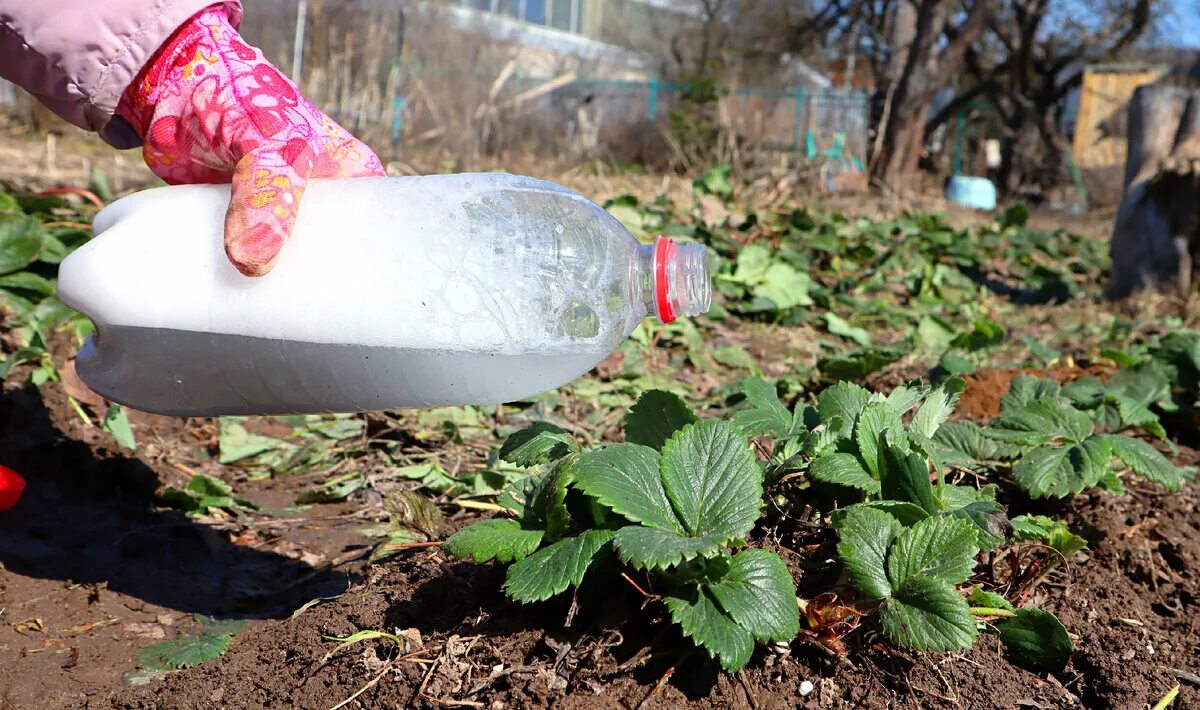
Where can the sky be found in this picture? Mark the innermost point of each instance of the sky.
(1183, 27)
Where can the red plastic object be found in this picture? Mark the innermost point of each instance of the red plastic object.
(664, 250)
(11, 487)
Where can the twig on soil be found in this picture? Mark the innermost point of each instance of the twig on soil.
(370, 684)
(741, 674)
(1167, 699)
(657, 687)
(1185, 676)
(420, 691)
(643, 592)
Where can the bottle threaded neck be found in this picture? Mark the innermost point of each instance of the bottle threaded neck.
(681, 282)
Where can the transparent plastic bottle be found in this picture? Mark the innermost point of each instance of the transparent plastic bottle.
(392, 293)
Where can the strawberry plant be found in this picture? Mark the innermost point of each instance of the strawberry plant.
(907, 543)
(674, 500)
(1057, 450)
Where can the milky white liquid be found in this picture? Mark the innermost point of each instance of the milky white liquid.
(392, 292)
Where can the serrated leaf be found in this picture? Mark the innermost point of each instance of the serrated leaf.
(937, 407)
(927, 614)
(1039, 421)
(758, 592)
(500, 540)
(825, 435)
(939, 547)
(905, 397)
(988, 600)
(552, 569)
(1147, 462)
(843, 470)
(907, 513)
(1054, 533)
(1036, 639)
(712, 480)
(865, 536)
(203, 642)
(1061, 471)
(962, 443)
(626, 478)
(766, 414)
(844, 400)
(1026, 389)
(539, 443)
(991, 523)
(704, 622)
(545, 499)
(655, 417)
(903, 476)
(876, 419)
(649, 548)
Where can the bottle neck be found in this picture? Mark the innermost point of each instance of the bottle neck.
(673, 279)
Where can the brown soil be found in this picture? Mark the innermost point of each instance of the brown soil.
(94, 571)
(981, 399)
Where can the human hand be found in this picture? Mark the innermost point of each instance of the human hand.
(211, 109)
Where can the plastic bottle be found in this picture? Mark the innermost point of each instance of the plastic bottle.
(391, 293)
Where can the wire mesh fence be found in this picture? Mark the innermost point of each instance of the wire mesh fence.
(406, 76)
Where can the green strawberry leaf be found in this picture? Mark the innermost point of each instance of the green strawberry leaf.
(962, 443)
(905, 397)
(758, 592)
(903, 476)
(940, 547)
(655, 417)
(497, 539)
(1060, 471)
(927, 614)
(844, 400)
(843, 470)
(937, 407)
(766, 415)
(1026, 389)
(1036, 639)
(649, 548)
(703, 492)
(988, 600)
(704, 622)
(876, 419)
(625, 478)
(712, 479)
(990, 521)
(865, 536)
(538, 444)
(545, 499)
(1147, 462)
(1042, 420)
(552, 569)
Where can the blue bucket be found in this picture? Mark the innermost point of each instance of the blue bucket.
(974, 192)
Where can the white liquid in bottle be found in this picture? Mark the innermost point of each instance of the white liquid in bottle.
(392, 292)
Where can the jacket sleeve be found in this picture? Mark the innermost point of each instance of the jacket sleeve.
(78, 56)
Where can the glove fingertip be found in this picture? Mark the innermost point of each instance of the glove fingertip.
(253, 248)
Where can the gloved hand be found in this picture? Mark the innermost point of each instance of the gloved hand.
(210, 109)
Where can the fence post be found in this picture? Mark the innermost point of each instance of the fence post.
(652, 100)
(298, 41)
(796, 123)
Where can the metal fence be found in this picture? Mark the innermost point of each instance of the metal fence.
(402, 77)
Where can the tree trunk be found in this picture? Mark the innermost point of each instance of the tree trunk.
(916, 74)
(1156, 236)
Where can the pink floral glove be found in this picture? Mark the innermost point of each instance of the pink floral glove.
(211, 109)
